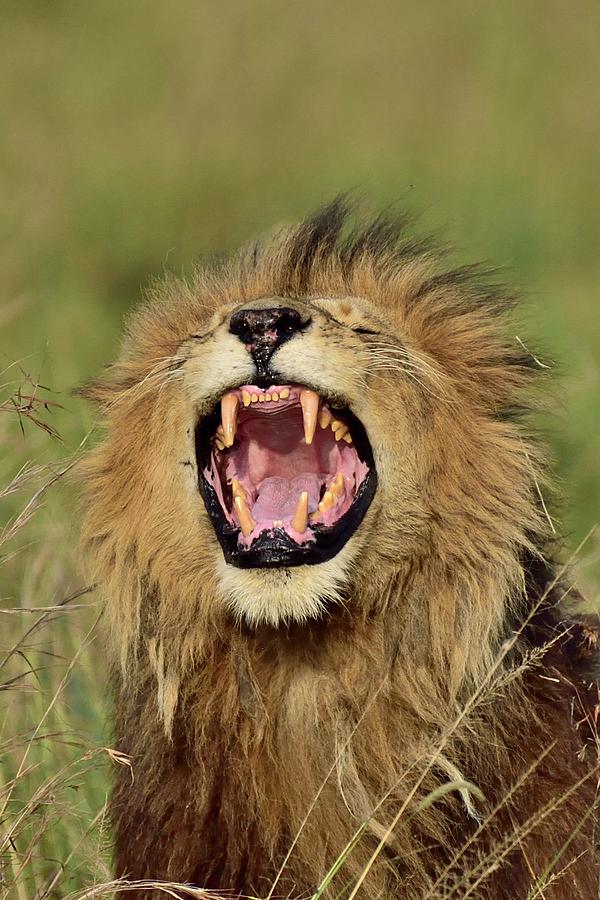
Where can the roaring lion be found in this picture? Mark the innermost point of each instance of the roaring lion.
(342, 659)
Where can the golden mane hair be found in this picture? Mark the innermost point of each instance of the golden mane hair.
(420, 708)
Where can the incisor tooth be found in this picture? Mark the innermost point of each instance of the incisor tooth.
(300, 518)
(254, 398)
(247, 523)
(261, 398)
(327, 502)
(325, 418)
(275, 396)
(268, 398)
(229, 408)
(337, 486)
(284, 394)
(247, 400)
(309, 401)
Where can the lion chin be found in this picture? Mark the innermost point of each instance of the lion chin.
(339, 652)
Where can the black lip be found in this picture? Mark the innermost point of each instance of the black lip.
(275, 548)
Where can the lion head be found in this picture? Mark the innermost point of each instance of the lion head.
(304, 423)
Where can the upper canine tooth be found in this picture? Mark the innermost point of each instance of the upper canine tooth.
(229, 408)
(247, 523)
(309, 400)
(247, 400)
(300, 518)
(325, 418)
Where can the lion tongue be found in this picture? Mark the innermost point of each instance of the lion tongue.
(278, 497)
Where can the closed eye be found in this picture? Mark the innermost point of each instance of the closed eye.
(364, 331)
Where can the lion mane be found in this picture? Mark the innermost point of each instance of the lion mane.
(413, 717)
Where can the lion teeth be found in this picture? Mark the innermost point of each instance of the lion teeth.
(229, 409)
(254, 398)
(327, 502)
(337, 486)
(309, 401)
(284, 394)
(348, 438)
(300, 518)
(238, 491)
(325, 418)
(247, 523)
(339, 428)
(246, 398)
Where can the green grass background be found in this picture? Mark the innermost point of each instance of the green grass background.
(138, 137)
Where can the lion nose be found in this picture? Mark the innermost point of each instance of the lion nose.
(263, 327)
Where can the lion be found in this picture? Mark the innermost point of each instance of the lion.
(342, 658)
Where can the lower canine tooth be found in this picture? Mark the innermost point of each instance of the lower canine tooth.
(237, 490)
(247, 523)
(229, 408)
(309, 401)
(300, 518)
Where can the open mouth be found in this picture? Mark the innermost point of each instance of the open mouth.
(286, 477)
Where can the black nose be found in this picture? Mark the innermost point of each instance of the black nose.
(265, 328)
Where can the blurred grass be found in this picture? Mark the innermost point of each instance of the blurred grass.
(138, 137)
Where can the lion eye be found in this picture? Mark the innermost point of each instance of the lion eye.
(364, 331)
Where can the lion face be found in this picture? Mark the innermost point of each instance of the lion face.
(316, 421)
(292, 427)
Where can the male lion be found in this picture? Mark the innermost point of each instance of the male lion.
(341, 655)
